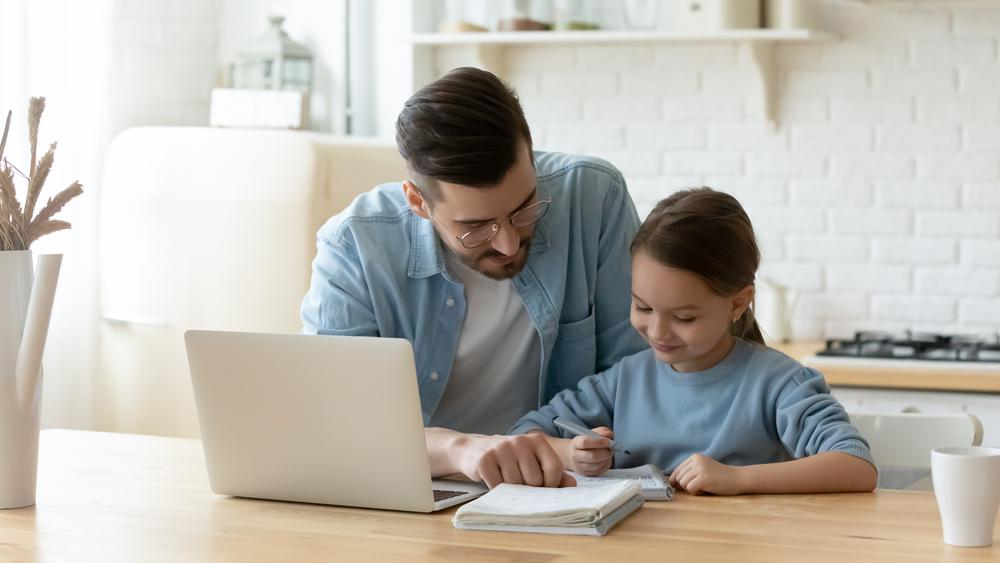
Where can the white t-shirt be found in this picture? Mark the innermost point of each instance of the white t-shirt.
(494, 380)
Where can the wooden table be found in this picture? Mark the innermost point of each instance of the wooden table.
(119, 497)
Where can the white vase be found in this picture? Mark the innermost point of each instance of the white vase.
(25, 308)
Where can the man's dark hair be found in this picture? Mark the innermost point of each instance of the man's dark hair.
(463, 128)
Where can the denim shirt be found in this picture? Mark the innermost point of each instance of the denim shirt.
(380, 271)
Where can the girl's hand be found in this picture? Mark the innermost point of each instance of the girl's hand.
(701, 474)
(592, 456)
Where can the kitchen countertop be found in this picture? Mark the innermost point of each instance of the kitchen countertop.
(895, 374)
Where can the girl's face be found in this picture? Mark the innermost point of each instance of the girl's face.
(685, 322)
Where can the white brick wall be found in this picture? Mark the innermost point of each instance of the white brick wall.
(878, 196)
(930, 137)
(983, 311)
(964, 223)
(982, 195)
(826, 248)
(869, 277)
(958, 281)
(677, 136)
(625, 109)
(843, 306)
(830, 193)
(871, 166)
(963, 166)
(933, 195)
(823, 137)
(702, 162)
(745, 136)
(981, 253)
(848, 222)
(913, 309)
(695, 107)
(786, 165)
(914, 250)
(163, 62)
(642, 81)
(576, 82)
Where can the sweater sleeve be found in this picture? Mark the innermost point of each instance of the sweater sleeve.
(590, 404)
(810, 420)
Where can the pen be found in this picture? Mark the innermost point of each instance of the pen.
(575, 428)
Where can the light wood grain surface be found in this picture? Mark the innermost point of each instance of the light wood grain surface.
(120, 497)
(926, 376)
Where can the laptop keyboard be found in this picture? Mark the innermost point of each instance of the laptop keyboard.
(440, 494)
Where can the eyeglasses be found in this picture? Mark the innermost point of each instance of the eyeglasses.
(522, 218)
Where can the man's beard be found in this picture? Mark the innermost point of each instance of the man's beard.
(504, 272)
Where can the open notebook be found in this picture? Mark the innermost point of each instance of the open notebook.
(650, 479)
(590, 510)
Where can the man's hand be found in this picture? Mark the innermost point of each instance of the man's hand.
(526, 459)
(592, 456)
(701, 474)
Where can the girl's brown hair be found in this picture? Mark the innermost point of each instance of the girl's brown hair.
(709, 234)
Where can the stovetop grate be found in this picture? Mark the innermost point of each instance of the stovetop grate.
(911, 345)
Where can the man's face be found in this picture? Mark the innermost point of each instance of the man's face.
(459, 209)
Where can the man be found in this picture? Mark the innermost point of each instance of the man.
(507, 269)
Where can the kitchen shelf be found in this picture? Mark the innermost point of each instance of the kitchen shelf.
(919, 3)
(601, 37)
(486, 48)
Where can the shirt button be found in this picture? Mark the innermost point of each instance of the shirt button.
(450, 302)
(435, 376)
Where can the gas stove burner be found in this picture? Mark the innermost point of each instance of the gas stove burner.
(911, 345)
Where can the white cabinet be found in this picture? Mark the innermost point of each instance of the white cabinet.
(209, 229)
(985, 406)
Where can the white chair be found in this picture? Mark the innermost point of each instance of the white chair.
(901, 443)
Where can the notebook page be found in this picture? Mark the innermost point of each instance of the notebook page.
(649, 476)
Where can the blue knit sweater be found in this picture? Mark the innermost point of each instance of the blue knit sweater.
(755, 406)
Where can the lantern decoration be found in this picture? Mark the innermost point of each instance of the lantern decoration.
(274, 62)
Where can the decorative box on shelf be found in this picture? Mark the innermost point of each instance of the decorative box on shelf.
(278, 109)
(270, 83)
(703, 16)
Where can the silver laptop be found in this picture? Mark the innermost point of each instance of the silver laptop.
(319, 419)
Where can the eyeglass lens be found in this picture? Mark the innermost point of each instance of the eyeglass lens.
(523, 218)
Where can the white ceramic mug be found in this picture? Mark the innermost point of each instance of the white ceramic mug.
(967, 488)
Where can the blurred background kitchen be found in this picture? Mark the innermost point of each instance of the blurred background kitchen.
(214, 136)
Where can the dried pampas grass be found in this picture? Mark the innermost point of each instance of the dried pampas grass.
(21, 227)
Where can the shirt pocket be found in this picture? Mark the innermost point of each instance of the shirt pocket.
(575, 353)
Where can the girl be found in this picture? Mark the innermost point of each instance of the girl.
(708, 401)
